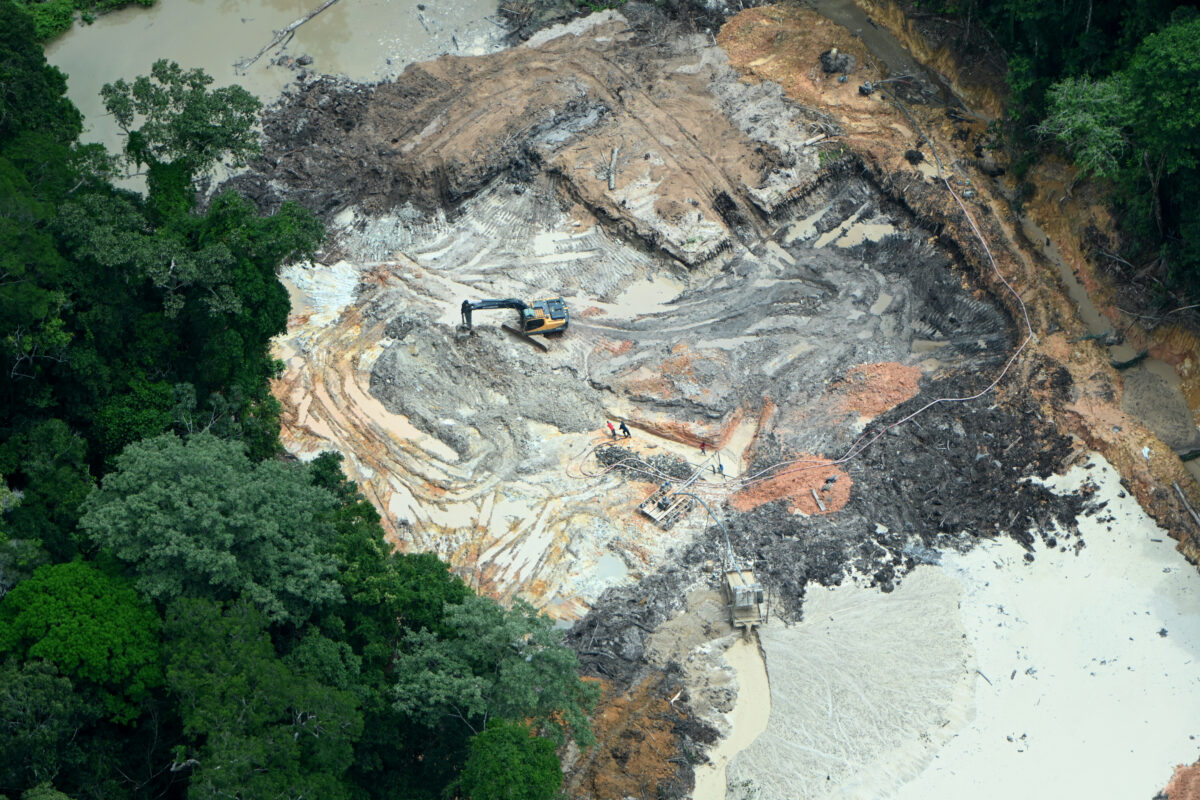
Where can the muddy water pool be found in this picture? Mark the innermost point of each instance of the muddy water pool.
(366, 40)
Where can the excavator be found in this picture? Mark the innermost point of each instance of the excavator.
(549, 316)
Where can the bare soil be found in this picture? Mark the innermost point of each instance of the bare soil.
(752, 263)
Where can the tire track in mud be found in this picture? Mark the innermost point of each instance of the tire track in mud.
(775, 324)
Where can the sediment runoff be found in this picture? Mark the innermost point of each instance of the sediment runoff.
(754, 298)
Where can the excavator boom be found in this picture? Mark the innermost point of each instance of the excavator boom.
(539, 317)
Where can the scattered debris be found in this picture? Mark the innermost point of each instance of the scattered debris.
(833, 61)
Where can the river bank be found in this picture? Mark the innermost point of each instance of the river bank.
(364, 40)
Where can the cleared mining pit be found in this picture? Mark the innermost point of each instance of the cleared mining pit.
(761, 283)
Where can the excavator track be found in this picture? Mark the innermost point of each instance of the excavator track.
(525, 338)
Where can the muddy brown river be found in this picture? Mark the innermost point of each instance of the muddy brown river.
(366, 40)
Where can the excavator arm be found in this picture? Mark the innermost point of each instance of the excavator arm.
(540, 316)
(483, 305)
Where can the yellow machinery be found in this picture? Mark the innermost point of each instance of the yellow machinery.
(744, 594)
(549, 316)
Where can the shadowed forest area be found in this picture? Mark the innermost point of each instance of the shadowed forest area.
(1117, 87)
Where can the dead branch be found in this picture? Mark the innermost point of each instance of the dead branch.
(1186, 504)
(282, 34)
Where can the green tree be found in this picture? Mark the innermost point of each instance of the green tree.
(508, 762)
(507, 663)
(92, 626)
(145, 410)
(1140, 127)
(112, 305)
(199, 519)
(1092, 118)
(186, 129)
(1164, 92)
(49, 464)
(34, 95)
(53, 17)
(258, 728)
(194, 301)
(44, 791)
(385, 591)
(44, 719)
(33, 332)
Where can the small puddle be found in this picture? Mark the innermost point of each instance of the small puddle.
(806, 228)
(648, 296)
(748, 719)
(610, 566)
(865, 232)
(881, 303)
(852, 232)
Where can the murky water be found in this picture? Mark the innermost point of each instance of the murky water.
(747, 720)
(611, 566)
(896, 58)
(367, 40)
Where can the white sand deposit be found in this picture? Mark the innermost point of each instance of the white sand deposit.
(1092, 684)
(861, 692)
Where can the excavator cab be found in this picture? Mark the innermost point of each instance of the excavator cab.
(546, 316)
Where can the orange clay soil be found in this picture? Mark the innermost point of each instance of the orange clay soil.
(634, 740)
(1185, 784)
(796, 484)
(871, 389)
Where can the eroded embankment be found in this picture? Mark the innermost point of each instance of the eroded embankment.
(744, 271)
(773, 43)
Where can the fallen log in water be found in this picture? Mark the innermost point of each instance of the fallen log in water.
(283, 33)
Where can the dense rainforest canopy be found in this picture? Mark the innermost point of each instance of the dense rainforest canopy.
(183, 611)
(1118, 85)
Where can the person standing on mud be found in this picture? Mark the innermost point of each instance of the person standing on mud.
(625, 430)
(703, 447)
(611, 429)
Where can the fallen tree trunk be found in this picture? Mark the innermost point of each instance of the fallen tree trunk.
(283, 33)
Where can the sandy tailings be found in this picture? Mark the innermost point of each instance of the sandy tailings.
(724, 277)
(862, 692)
(990, 676)
(738, 278)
